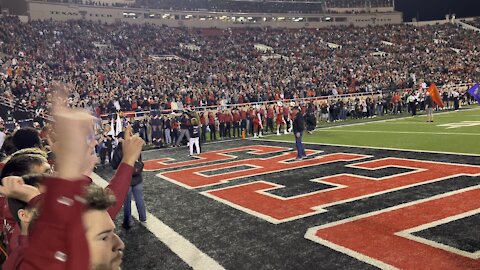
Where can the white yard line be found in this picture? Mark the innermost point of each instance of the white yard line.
(394, 119)
(188, 252)
(401, 132)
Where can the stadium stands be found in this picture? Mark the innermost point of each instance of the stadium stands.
(247, 6)
(149, 65)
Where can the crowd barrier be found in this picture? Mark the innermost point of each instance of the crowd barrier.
(136, 115)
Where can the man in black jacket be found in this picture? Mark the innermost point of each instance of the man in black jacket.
(184, 128)
(136, 186)
(298, 128)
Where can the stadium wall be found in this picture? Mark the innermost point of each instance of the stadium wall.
(62, 12)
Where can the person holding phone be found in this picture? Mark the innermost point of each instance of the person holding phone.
(136, 185)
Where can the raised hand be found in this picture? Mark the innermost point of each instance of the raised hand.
(73, 128)
(14, 187)
(131, 147)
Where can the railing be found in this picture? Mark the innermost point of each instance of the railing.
(135, 115)
(132, 114)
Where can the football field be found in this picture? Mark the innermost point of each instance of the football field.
(454, 132)
(393, 194)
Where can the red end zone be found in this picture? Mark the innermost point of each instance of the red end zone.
(383, 238)
(221, 155)
(254, 198)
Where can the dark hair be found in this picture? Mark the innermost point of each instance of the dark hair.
(21, 164)
(26, 138)
(14, 205)
(8, 146)
(98, 198)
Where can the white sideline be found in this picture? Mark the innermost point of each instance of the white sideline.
(188, 252)
(401, 132)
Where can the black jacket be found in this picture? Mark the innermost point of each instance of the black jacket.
(138, 168)
(298, 123)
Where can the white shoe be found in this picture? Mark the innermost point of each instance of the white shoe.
(255, 136)
(278, 133)
(260, 135)
(285, 132)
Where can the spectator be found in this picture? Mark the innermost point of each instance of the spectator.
(298, 128)
(194, 136)
(136, 185)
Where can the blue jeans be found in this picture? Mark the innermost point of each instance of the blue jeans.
(298, 143)
(168, 138)
(137, 192)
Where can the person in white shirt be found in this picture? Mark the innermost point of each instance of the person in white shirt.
(411, 102)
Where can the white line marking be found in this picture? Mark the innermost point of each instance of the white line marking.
(402, 132)
(409, 235)
(311, 232)
(189, 253)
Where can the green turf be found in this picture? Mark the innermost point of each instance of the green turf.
(405, 133)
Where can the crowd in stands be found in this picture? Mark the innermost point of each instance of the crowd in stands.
(251, 6)
(475, 22)
(359, 3)
(118, 67)
(111, 68)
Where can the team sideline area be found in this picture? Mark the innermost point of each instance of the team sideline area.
(248, 204)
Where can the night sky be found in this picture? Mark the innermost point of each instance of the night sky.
(436, 9)
(424, 9)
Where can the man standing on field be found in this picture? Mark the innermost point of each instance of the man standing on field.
(298, 128)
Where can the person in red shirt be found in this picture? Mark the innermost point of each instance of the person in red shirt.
(251, 119)
(236, 123)
(23, 257)
(228, 123)
(270, 116)
(203, 123)
(73, 231)
(287, 118)
(221, 121)
(258, 122)
(243, 118)
(212, 126)
(280, 121)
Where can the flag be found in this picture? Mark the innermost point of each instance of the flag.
(118, 126)
(475, 92)
(435, 95)
(112, 128)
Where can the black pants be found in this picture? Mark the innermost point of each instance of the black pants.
(236, 129)
(287, 123)
(456, 104)
(251, 127)
(243, 125)
(413, 108)
(269, 124)
(228, 127)
(222, 130)
(104, 153)
(213, 132)
(203, 136)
